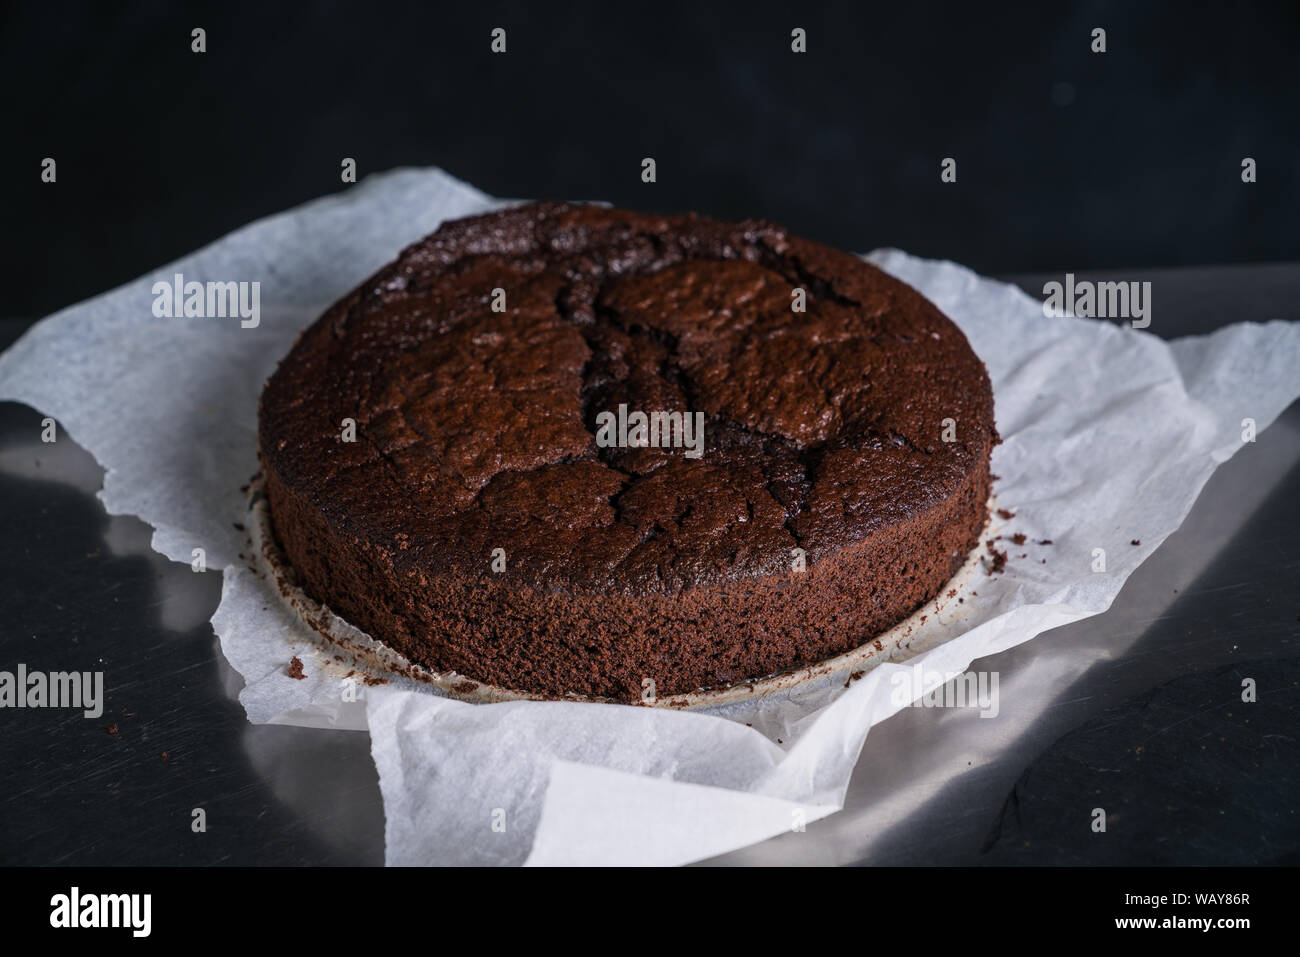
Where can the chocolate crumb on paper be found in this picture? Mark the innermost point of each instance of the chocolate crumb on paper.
(997, 561)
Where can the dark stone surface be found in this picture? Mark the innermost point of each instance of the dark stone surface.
(1187, 773)
(84, 592)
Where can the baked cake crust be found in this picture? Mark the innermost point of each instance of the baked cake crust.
(475, 525)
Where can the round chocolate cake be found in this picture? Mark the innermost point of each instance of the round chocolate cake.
(571, 450)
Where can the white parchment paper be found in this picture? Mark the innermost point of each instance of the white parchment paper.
(1109, 435)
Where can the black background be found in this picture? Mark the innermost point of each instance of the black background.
(1067, 160)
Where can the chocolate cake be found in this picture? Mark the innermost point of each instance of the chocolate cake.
(604, 453)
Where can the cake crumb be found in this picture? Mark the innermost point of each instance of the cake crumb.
(1018, 539)
(1136, 541)
(1005, 514)
(295, 669)
(1044, 541)
(997, 561)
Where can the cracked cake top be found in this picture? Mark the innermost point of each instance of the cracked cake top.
(476, 429)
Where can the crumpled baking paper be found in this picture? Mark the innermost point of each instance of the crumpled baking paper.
(1109, 435)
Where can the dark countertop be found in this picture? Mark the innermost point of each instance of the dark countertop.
(1138, 710)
